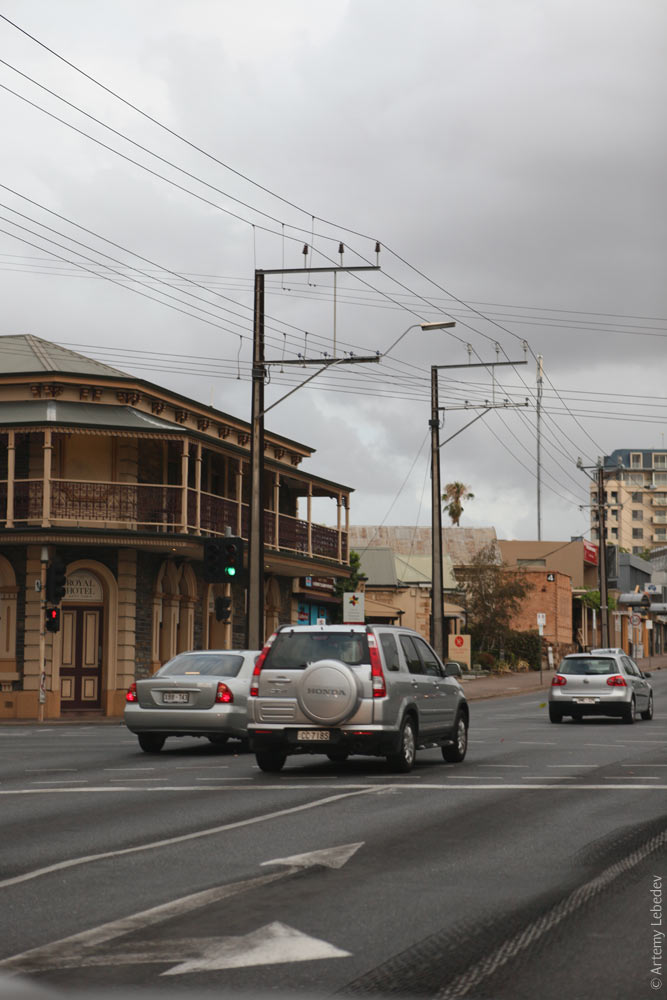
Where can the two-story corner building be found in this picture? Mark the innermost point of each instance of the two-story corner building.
(635, 483)
(123, 481)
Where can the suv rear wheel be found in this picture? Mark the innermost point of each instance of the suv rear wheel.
(403, 761)
(270, 760)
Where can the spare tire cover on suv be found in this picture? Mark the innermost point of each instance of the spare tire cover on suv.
(328, 692)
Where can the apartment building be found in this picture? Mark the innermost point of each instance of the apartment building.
(635, 488)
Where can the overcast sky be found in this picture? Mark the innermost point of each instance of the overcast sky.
(508, 156)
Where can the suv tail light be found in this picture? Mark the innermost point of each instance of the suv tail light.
(377, 675)
(223, 694)
(558, 681)
(131, 693)
(616, 681)
(254, 683)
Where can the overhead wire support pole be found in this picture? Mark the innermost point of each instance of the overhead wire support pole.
(602, 522)
(437, 629)
(255, 606)
(539, 447)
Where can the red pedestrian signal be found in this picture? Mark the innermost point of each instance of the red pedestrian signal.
(52, 620)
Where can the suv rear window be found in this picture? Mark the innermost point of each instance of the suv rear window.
(589, 665)
(295, 650)
(224, 665)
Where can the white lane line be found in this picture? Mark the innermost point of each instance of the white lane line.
(473, 777)
(131, 769)
(152, 778)
(614, 746)
(551, 777)
(59, 781)
(50, 770)
(643, 765)
(183, 838)
(201, 767)
(574, 765)
(535, 743)
(503, 765)
(527, 938)
(627, 777)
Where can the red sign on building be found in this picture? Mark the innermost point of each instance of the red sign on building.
(590, 553)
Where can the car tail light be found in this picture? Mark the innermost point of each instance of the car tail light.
(254, 683)
(558, 681)
(616, 681)
(131, 693)
(377, 676)
(223, 694)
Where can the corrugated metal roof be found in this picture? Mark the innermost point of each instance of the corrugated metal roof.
(53, 411)
(25, 354)
(385, 568)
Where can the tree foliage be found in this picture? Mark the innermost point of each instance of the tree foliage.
(453, 497)
(492, 595)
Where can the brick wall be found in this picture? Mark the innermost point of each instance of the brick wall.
(552, 597)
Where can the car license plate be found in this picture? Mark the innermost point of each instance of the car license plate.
(175, 697)
(585, 701)
(313, 734)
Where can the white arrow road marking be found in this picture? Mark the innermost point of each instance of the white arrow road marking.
(330, 857)
(75, 862)
(78, 950)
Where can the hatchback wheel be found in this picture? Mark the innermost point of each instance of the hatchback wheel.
(629, 712)
(403, 761)
(648, 714)
(271, 761)
(555, 714)
(150, 743)
(454, 754)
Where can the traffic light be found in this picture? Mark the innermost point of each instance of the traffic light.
(56, 582)
(232, 559)
(223, 560)
(212, 561)
(223, 609)
(52, 619)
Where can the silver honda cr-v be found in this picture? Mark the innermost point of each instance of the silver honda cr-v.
(354, 689)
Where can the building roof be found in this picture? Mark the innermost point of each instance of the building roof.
(46, 411)
(461, 545)
(385, 568)
(23, 354)
(620, 458)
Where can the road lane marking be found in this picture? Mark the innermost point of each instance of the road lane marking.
(476, 974)
(535, 743)
(575, 765)
(624, 777)
(503, 765)
(77, 947)
(643, 765)
(50, 770)
(59, 781)
(183, 838)
(550, 777)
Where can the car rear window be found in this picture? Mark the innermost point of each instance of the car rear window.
(295, 650)
(223, 665)
(589, 665)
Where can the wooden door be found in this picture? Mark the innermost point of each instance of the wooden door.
(81, 662)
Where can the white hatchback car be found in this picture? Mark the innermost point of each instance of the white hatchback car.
(602, 682)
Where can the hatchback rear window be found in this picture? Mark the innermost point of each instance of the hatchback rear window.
(224, 665)
(295, 650)
(589, 665)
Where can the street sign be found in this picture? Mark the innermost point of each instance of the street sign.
(541, 618)
(635, 620)
(353, 608)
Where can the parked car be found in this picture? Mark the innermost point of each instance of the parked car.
(199, 693)
(354, 689)
(602, 682)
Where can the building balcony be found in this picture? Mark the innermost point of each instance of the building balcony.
(158, 508)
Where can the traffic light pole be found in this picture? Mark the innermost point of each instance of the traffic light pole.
(42, 635)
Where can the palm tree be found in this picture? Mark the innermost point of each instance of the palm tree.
(453, 497)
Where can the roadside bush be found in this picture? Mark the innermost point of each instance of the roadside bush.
(487, 661)
(525, 646)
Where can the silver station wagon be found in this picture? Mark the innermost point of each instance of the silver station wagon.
(199, 693)
(602, 682)
(354, 689)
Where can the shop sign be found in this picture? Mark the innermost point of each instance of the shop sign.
(590, 553)
(82, 585)
(353, 608)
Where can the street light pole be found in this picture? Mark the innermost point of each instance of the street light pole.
(437, 636)
(604, 603)
(255, 609)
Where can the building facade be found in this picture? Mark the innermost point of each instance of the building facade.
(635, 500)
(123, 481)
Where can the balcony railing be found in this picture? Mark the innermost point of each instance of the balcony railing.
(158, 508)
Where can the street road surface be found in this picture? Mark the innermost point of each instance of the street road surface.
(532, 869)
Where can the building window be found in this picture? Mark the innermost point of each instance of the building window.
(638, 515)
(660, 461)
(614, 533)
(636, 550)
(637, 498)
(531, 562)
(636, 460)
(614, 514)
(660, 478)
(637, 532)
(635, 478)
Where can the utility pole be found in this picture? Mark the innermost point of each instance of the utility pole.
(602, 561)
(539, 448)
(255, 609)
(437, 631)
